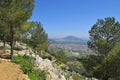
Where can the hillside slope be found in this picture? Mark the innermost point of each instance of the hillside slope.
(53, 72)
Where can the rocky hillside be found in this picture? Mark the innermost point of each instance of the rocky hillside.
(53, 72)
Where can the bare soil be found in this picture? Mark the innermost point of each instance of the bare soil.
(11, 71)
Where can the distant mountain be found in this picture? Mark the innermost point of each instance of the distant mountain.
(69, 39)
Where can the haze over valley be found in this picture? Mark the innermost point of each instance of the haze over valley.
(71, 44)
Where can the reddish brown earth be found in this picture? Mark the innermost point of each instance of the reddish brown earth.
(11, 71)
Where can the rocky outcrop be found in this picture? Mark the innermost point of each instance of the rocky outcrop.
(53, 72)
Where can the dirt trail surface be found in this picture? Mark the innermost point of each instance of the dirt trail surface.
(10, 71)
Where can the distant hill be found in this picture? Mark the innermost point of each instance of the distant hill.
(69, 39)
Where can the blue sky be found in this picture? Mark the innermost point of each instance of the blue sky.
(73, 17)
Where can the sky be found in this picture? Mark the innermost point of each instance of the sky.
(61, 18)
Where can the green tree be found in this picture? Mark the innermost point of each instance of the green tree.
(112, 62)
(38, 38)
(61, 56)
(89, 62)
(23, 32)
(13, 13)
(3, 34)
(103, 37)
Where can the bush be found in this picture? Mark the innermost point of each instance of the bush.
(28, 67)
(37, 75)
(45, 55)
(18, 48)
(77, 77)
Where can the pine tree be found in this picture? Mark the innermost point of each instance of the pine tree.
(14, 13)
(103, 38)
(38, 38)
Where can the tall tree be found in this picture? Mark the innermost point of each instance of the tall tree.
(113, 62)
(3, 34)
(103, 37)
(38, 38)
(23, 32)
(14, 13)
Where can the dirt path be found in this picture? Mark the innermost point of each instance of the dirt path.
(11, 71)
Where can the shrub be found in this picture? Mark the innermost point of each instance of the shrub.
(47, 57)
(18, 48)
(77, 77)
(37, 75)
(27, 66)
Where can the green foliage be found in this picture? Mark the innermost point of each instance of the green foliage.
(25, 62)
(37, 38)
(112, 62)
(37, 75)
(24, 32)
(77, 77)
(103, 38)
(103, 35)
(13, 13)
(18, 48)
(47, 56)
(76, 69)
(60, 55)
(28, 67)
(89, 62)
(66, 60)
(4, 36)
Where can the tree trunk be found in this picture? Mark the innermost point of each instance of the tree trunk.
(12, 41)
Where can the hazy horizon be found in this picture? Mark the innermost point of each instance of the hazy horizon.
(62, 36)
(62, 18)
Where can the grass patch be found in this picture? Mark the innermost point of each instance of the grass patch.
(77, 77)
(27, 65)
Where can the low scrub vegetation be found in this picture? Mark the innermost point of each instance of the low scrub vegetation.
(27, 66)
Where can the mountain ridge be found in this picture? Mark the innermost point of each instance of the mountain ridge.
(69, 39)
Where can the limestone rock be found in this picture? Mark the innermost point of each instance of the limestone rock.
(53, 73)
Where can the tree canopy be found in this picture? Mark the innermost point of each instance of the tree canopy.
(38, 38)
(104, 35)
(13, 13)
